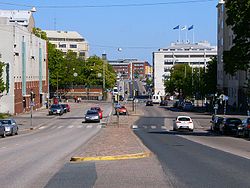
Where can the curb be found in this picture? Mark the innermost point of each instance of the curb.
(111, 158)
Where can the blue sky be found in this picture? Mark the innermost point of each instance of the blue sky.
(138, 30)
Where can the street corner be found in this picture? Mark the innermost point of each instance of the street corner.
(112, 158)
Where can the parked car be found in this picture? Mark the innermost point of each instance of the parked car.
(11, 127)
(163, 103)
(187, 106)
(56, 109)
(92, 116)
(244, 128)
(2, 130)
(215, 123)
(149, 103)
(97, 109)
(183, 122)
(230, 125)
(122, 110)
(66, 107)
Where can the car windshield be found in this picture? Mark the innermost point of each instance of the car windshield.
(92, 112)
(5, 121)
(184, 119)
(55, 106)
(234, 121)
(96, 108)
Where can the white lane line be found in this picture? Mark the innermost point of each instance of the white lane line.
(60, 127)
(153, 127)
(163, 127)
(89, 126)
(99, 126)
(80, 126)
(70, 126)
(42, 127)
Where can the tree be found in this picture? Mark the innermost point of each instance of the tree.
(238, 57)
(211, 77)
(39, 33)
(2, 84)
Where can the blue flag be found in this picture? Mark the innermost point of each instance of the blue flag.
(191, 27)
(177, 27)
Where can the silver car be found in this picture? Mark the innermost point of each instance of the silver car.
(11, 127)
(92, 116)
(2, 130)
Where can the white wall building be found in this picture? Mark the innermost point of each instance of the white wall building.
(69, 40)
(235, 87)
(25, 59)
(195, 55)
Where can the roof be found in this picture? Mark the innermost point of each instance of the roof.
(22, 17)
(63, 34)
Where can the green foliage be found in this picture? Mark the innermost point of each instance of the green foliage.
(39, 33)
(211, 77)
(238, 57)
(2, 84)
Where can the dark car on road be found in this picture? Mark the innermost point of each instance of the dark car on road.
(92, 116)
(244, 129)
(163, 103)
(11, 127)
(149, 103)
(56, 109)
(230, 125)
(97, 109)
(2, 130)
(215, 123)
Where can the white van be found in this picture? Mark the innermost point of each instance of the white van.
(115, 91)
(156, 98)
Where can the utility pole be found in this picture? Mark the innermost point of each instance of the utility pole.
(104, 58)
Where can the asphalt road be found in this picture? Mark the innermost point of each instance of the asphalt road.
(198, 159)
(32, 159)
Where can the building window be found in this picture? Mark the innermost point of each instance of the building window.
(62, 45)
(168, 62)
(196, 55)
(82, 54)
(168, 56)
(181, 56)
(73, 45)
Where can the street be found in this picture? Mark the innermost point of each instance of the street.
(194, 159)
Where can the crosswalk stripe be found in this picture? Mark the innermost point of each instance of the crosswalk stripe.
(99, 126)
(43, 127)
(89, 126)
(163, 127)
(60, 127)
(70, 126)
(80, 126)
(153, 127)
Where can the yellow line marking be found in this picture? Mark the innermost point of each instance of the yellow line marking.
(110, 158)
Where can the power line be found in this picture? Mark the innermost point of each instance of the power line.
(109, 5)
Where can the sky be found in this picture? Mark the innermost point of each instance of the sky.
(125, 29)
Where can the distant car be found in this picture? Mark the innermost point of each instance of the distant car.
(97, 109)
(11, 127)
(92, 116)
(215, 123)
(183, 122)
(149, 103)
(56, 109)
(187, 106)
(122, 110)
(163, 103)
(66, 107)
(244, 128)
(230, 125)
(2, 130)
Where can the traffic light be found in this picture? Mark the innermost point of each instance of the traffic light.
(32, 96)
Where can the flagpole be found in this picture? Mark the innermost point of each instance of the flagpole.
(186, 35)
(179, 34)
(193, 36)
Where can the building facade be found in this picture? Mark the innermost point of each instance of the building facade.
(235, 87)
(26, 67)
(131, 68)
(195, 55)
(69, 40)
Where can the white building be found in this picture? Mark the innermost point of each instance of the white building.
(26, 65)
(195, 55)
(235, 87)
(69, 40)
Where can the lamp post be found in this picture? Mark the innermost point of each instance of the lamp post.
(104, 58)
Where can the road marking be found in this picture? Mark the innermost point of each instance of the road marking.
(70, 126)
(80, 126)
(60, 127)
(43, 127)
(163, 127)
(99, 126)
(89, 126)
(153, 127)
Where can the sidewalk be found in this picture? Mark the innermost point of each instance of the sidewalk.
(116, 141)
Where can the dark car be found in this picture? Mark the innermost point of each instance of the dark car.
(92, 116)
(215, 123)
(11, 127)
(56, 109)
(149, 103)
(244, 129)
(2, 130)
(163, 103)
(230, 125)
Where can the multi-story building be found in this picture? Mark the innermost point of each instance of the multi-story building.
(69, 40)
(195, 55)
(235, 87)
(131, 68)
(26, 65)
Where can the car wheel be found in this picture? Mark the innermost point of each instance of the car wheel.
(4, 134)
(12, 132)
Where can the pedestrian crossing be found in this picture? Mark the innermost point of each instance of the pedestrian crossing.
(99, 126)
(152, 127)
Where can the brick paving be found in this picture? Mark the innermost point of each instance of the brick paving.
(115, 139)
